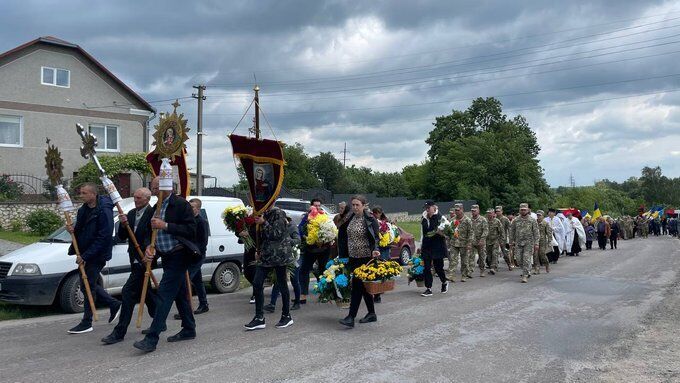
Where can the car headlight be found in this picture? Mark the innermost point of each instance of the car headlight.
(26, 269)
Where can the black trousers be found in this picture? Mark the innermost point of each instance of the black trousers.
(601, 241)
(92, 270)
(318, 255)
(438, 268)
(281, 285)
(197, 282)
(249, 267)
(358, 290)
(132, 291)
(173, 287)
(613, 241)
(554, 255)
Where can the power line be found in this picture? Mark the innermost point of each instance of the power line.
(117, 105)
(473, 45)
(420, 68)
(468, 99)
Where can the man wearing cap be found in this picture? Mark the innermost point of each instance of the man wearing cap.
(461, 243)
(480, 228)
(505, 224)
(433, 248)
(524, 239)
(493, 241)
(544, 244)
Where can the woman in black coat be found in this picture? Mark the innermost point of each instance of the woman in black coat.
(358, 241)
(433, 248)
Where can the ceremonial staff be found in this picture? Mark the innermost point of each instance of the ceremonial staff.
(165, 184)
(88, 151)
(53, 164)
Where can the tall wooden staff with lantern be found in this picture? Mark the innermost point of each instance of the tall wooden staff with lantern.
(54, 167)
(170, 149)
(88, 151)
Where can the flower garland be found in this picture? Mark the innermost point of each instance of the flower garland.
(237, 219)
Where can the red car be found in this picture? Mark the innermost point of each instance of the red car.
(402, 251)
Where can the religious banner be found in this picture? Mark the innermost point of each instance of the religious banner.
(170, 136)
(262, 161)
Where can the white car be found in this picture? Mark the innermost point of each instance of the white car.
(43, 273)
(296, 208)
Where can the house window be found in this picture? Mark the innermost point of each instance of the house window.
(107, 137)
(56, 77)
(11, 130)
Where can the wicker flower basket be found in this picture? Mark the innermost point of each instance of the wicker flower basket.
(342, 303)
(379, 287)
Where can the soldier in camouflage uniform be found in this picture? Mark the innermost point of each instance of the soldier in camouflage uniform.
(494, 241)
(505, 223)
(461, 243)
(544, 244)
(524, 239)
(642, 226)
(480, 227)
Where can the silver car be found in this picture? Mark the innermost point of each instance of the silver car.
(296, 208)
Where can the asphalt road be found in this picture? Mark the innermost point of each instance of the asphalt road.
(603, 316)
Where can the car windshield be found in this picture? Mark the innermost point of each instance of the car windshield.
(60, 235)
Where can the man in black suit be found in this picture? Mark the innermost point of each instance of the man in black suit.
(176, 232)
(139, 220)
(202, 235)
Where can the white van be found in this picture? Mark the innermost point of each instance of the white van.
(43, 273)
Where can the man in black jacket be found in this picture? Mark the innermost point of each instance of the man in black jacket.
(94, 234)
(202, 235)
(175, 245)
(139, 220)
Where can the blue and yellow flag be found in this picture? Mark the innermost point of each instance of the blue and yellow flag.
(596, 213)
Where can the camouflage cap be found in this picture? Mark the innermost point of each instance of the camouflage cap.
(499, 208)
(489, 210)
(458, 206)
(524, 206)
(474, 207)
(540, 212)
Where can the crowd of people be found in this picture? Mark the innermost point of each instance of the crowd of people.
(528, 241)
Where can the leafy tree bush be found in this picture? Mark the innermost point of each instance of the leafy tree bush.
(9, 190)
(43, 222)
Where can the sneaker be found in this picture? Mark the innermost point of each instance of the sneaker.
(255, 324)
(284, 322)
(252, 300)
(427, 293)
(445, 287)
(270, 308)
(295, 306)
(81, 328)
(115, 312)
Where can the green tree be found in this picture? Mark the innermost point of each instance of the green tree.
(610, 201)
(113, 165)
(328, 170)
(298, 168)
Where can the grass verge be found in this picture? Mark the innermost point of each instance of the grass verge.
(9, 311)
(20, 237)
(412, 227)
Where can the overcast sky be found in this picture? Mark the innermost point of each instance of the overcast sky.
(598, 81)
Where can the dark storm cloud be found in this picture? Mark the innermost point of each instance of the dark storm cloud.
(532, 55)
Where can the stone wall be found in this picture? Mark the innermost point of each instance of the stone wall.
(13, 211)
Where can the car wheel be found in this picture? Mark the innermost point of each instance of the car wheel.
(405, 255)
(71, 299)
(226, 277)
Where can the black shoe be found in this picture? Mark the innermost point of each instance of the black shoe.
(347, 321)
(148, 330)
(182, 335)
(145, 345)
(445, 287)
(303, 301)
(81, 328)
(285, 321)
(270, 308)
(201, 309)
(177, 317)
(295, 306)
(255, 324)
(370, 317)
(112, 339)
(427, 293)
(377, 299)
(252, 300)
(115, 312)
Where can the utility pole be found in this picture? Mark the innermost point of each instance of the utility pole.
(344, 156)
(199, 140)
(572, 181)
(257, 111)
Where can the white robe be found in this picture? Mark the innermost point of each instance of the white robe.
(578, 226)
(558, 232)
(568, 232)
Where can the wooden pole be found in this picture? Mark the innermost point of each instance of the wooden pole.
(147, 272)
(81, 268)
(189, 294)
(131, 234)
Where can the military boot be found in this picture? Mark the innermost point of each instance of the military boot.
(547, 267)
(524, 279)
(482, 273)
